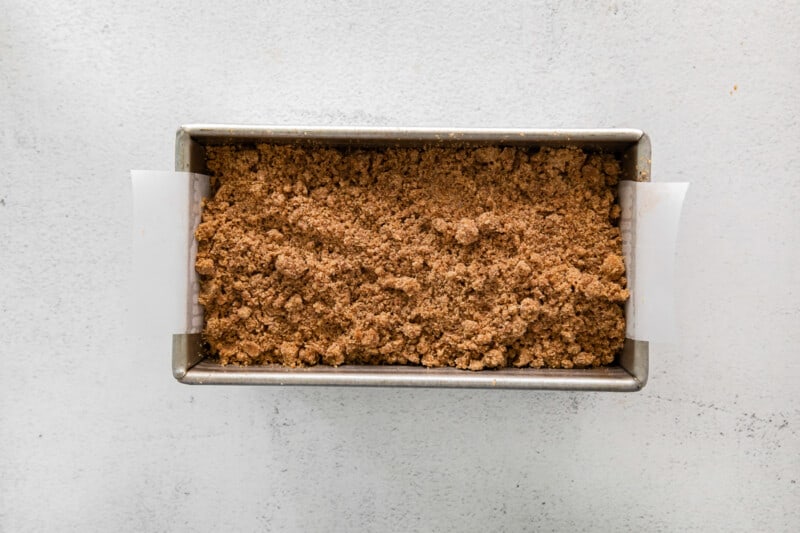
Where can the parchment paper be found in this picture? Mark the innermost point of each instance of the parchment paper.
(167, 208)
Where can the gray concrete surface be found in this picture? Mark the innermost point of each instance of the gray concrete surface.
(96, 435)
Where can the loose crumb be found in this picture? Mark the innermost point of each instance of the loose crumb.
(477, 258)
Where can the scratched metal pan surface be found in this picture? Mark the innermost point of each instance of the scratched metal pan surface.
(628, 373)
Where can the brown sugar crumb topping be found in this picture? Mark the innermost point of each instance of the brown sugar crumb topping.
(468, 257)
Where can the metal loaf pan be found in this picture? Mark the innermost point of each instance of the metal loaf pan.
(629, 373)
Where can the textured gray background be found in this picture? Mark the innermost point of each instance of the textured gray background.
(96, 435)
